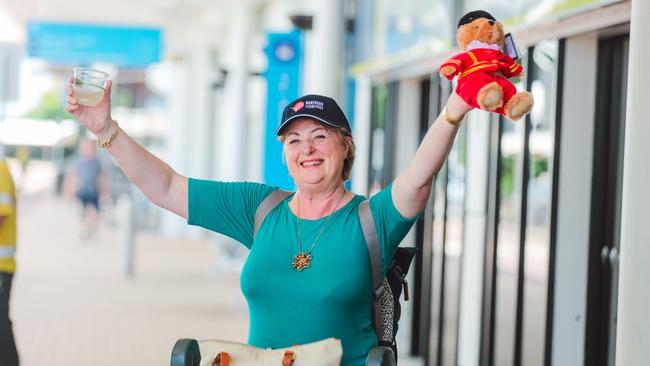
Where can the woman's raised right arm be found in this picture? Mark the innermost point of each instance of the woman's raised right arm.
(155, 178)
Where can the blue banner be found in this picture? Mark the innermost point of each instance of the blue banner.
(82, 44)
(284, 74)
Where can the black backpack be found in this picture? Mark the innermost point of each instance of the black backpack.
(386, 308)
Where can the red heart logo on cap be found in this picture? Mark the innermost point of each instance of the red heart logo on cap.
(298, 106)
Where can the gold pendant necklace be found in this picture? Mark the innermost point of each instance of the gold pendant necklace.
(303, 259)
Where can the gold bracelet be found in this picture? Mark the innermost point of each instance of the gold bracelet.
(451, 121)
(107, 143)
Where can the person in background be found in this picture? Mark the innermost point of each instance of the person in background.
(8, 352)
(88, 182)
(23, 155)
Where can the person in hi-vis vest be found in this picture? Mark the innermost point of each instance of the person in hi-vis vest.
(8, 353)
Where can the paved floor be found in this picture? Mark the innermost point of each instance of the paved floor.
(72, 306)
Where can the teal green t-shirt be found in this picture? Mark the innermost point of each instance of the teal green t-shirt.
(332, 298)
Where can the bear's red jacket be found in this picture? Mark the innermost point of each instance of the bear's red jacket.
(484, 60)
(480, 67)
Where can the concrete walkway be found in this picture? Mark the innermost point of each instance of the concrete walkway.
(72, 306)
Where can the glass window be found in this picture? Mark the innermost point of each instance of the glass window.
(526, 162)
(453, 246)
(437, 272)
(377, 138)
(538, 216)
(413, 25)
(384, 111)
(517, 12)
(447, 245)
(501, 10)
(440, 91)
(508, 226)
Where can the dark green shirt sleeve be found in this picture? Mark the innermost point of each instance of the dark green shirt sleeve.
(391, 226)
(226, 207)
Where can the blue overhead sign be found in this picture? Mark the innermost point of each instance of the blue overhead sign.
(70, 43)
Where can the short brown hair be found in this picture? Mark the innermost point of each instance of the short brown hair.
(346, 139)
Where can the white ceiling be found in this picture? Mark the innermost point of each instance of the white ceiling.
(183, 15)
(186, 24)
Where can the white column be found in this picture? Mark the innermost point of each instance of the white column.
(127, 235)
(190, 68)
(473, 258)
(176, 154)
(234, 122)
(633, 333)
(199, 119)
(361, 132)
(406, 143)
(324, 50)
(218, 105)
(574, 200)
(256, 131)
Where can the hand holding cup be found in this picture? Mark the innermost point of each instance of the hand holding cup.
(89, 99)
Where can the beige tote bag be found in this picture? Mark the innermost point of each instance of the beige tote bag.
(327, 352)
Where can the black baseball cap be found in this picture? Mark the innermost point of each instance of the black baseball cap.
(318, 107)
(473, 15)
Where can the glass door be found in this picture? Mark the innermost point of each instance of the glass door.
(606, 202)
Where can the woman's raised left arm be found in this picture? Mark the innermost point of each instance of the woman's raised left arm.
(412, 186)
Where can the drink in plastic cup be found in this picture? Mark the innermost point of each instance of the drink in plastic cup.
(89, 85)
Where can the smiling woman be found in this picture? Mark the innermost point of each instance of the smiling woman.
(310, 142)
(308, 264)
(322, 134)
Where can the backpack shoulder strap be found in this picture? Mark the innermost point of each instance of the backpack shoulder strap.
(267, 205)
(374, 249)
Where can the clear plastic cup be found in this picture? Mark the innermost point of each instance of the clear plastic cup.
(89, 85)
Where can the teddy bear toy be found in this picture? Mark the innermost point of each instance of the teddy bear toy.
(483, 69)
